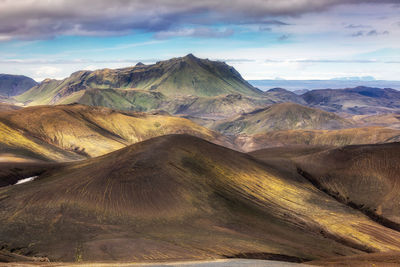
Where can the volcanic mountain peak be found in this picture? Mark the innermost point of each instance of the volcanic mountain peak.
(182, 76)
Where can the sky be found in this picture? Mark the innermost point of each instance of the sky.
(262, 39)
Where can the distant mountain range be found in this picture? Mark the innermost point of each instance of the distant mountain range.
(293, 85)
(359, 100)
(214, 95)
(199, 89)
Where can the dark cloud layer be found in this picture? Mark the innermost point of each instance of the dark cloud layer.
(33, 19)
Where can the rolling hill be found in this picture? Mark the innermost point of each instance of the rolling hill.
(391, 120)
(72, 132)
(179, 197)
(12, 85)
(341, 137)
(285, 116)
(280, 95)
(359, 100)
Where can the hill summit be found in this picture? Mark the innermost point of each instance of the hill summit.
(283, 116)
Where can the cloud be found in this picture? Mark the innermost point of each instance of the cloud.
(38, 19)
(47, 71)
(263, 28)
(358, 34)
(195, 32)
(376, 33)
(362, 61)
(283, 37)
(369, 33)
(357, 26)
(273, 22)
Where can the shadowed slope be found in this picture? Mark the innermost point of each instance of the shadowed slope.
(12, 85)
(180, 197)
(285, 116)
(8, 107)
(365, 177)
(69, 132)
(359, 100)
(280, 95)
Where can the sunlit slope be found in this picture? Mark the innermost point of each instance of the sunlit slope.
(16, 145)
(41, 94)
(342, 137)
(285, 116)
(180, 197)
(82, 131)
(367, 177)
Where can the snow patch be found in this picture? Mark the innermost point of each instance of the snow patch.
(25, 180)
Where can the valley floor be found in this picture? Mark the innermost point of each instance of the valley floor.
(214, 263)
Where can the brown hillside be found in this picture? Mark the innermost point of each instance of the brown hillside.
(285, 116)
(180, 197)
(70, 132)
(342, 137)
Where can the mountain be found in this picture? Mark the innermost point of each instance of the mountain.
(285, 116)
(182, 76)
(359, 100)
(280, 95)
(300, 91)
(179, 197)
(71, 132)
(337, 138)
(12, 85)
